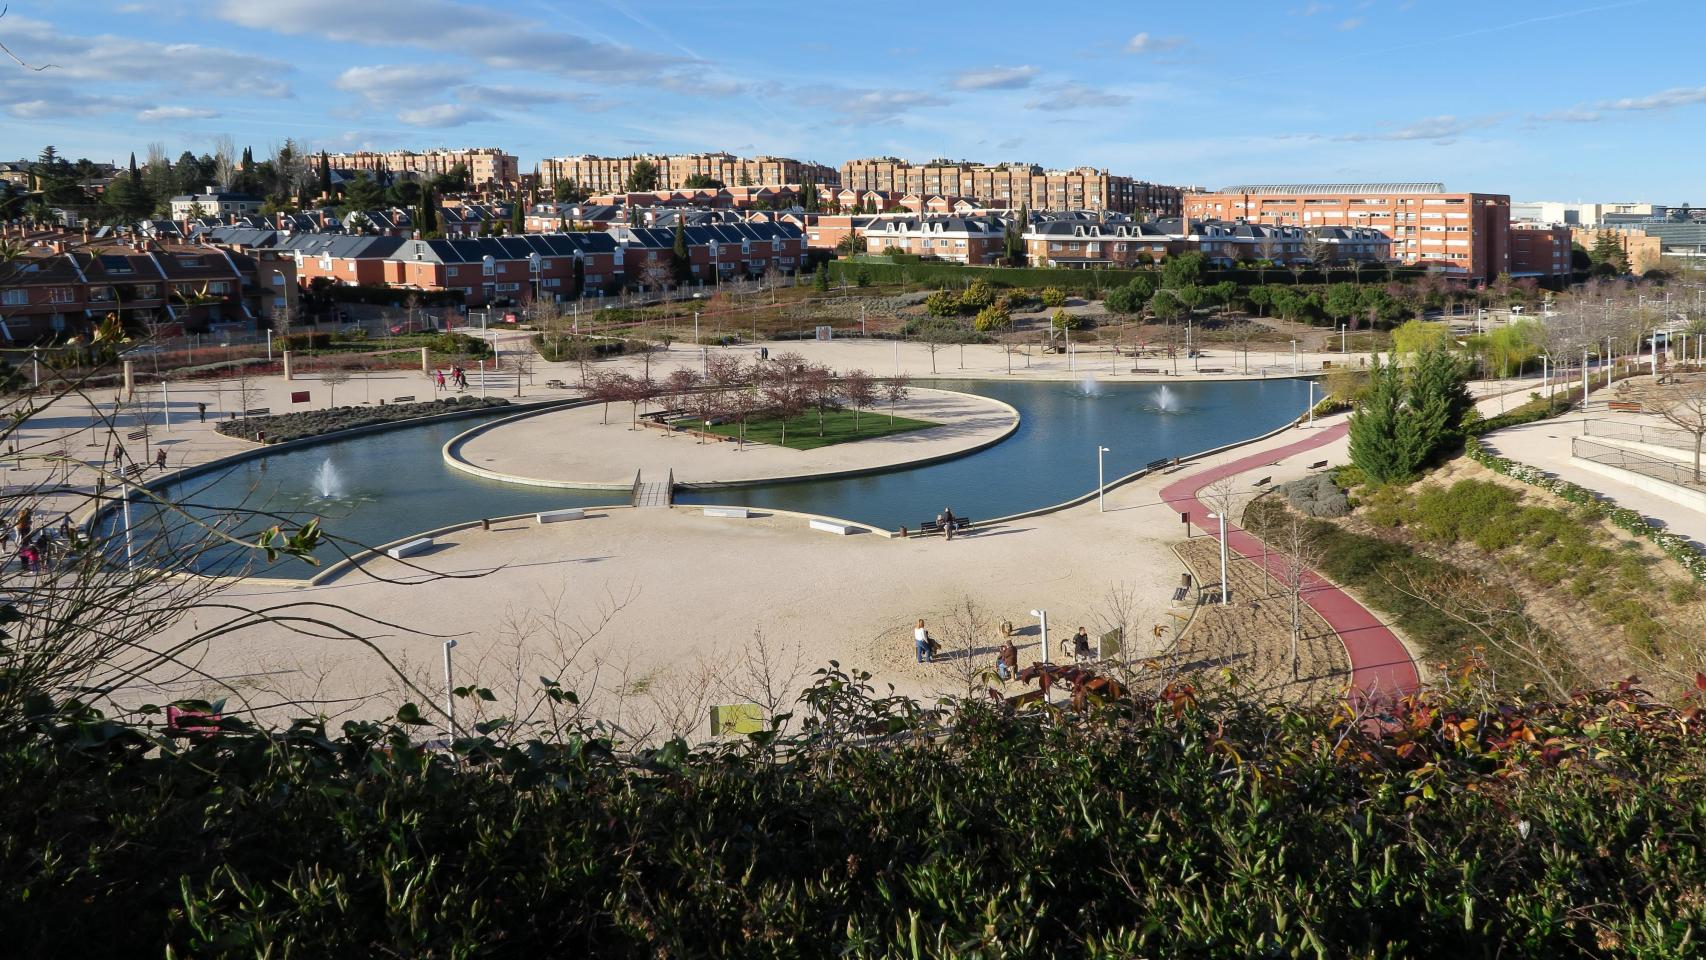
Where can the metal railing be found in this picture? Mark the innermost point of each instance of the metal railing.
(1640, 433)
(1667, 470)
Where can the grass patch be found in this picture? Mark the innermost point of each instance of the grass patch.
(804, 432)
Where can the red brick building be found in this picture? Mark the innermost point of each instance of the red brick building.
(1465, 235)
(1539, 251)
(973, 240)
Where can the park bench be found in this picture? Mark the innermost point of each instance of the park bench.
(408, 399)
(1145, 369)
(1262, 482)
(931, 526)
(1318, 465)
(657, 425)
(417, 545)
(257, 411)
(1212, 370)
(183, 723)
(137, 434)
(1625, 406)
(1183, 589)
(557, 384)
(557, 516)
(830, 526)
(1155, 465)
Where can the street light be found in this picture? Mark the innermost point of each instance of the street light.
(449, 688)
(1225, 588)
(1042, 616)
(1343, 328)
(1101, 485)
(1312, 403)
(1545, 376)
(1294, 365)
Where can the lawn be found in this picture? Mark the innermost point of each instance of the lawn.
(803, 430)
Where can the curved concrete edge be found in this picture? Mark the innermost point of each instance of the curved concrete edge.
(1663, 489)
(453, 459)
(355, 560)
(1132, 477)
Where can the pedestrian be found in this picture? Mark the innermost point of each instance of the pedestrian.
(44, 549)
(160, 459)
(27, 558)
(921, 642)
(118, 455)
(438, 378)
(1081, 644)
(23, 526)
(1007, 660)
(66, 530)
(947, 522)
(201, 411)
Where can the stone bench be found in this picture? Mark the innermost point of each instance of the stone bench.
(732, 513)
(830, 526)
(1145, 369)
(557, 516)
(417, 545)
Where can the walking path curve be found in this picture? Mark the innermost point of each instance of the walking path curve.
(1380, 664)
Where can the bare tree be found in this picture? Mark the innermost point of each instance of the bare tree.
(859, 389)
(224, 161)
(966, 637)
(1684, 405)
(895, 390)
(656, 275)
(1489, 604)
(334, 377)
(1297, 553)
(1316, 249)
(769, 674)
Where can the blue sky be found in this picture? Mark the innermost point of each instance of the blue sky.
(1569, 99)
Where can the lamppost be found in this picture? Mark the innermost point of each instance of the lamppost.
(1343, 329)
(1545, 377)
(1294, 364)
(449, 688)
(1312, 403)
(1042, 616)
(1225, 588)
(1101, 484)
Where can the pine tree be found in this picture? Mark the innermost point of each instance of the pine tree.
(518, 216)
(1375, 447)
(135, 175)
(325, 175)
(426, 224)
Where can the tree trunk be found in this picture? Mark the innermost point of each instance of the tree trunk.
(1698, 437)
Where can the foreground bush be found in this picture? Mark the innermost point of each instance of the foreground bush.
(1179, 826)
(312, 423)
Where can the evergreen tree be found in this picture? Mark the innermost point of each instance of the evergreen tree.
(135, 175)
(325, 175)
(518, 215)
(426, 220)
(642, 178)
(128, 199)
(567, 191)
(820, 280)
(1374, 444)
(1608, 252)
(681, 266)
(362, 194)
(580, 275)
(1439, 399)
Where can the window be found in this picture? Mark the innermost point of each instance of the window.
(61, 295)
(508, 287)
(15, 298)
(219, 286)
(144, 292)
(190, 261)
(554, 283)
(352, 266)
(278, 279)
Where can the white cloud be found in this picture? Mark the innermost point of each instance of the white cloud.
(496, 38)
(388, 83)
(503, 95)
(996, 78)
(859, 105)
(182, 67)
(1145, 43)
(161, 114)
(444, 115)
(1663, 100)
(1441, 128)
(1351, 23)
(1571, 115)
(1076, 96)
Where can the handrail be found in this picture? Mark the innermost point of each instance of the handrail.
(634, 494)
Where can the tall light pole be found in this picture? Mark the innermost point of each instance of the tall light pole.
(1225, 588)
(1312, 403)
(1545, 377)
(1294, 364)
(449, 688)
(1343, 348)
(1101, 484)
(1042, 616)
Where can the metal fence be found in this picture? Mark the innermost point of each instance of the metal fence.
(1667, 470)
(1640, 433)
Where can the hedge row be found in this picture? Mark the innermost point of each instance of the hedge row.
(1091, 282)
(279, 428)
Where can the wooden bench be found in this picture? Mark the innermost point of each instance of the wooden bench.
(257, 411)
(1145, 369)
(841, 529)
(408, 399)
(557, 384)
(657, 425)
(931, 526)
(135, 470)
(137, 434)
(417, 545)
(732, 513)
(558, 516)
(1179, 594)
(1625, 406)
(1262, 482)
(1318, 465)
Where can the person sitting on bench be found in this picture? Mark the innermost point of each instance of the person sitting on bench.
(947, 522)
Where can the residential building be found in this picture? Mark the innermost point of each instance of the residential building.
(714, 252)
(1014, 185)
(1081, 243)
(65, 284)
(213, 203)
(561, 217)
(1538, 251)
(607, 175)
(972, 240)
(486, 166)
(1464, 235)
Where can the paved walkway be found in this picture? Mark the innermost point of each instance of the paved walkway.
(1380, 664)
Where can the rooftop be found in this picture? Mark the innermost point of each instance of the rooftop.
(1335, 188)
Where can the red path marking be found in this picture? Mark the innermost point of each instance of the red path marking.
(1380, 665)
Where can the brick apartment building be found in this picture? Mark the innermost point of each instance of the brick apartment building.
(1643, 250)
(484, 270)
(607, 175)
(778, 197)
(972, 240)
(487, 166)
(723, 251)
(1539, 251)
(1014, 185)
(65, 284)
(1464, 235)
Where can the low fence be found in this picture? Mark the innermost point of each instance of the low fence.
(1640, 433)
(1669, 471)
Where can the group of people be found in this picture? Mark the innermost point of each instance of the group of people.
(120, 456)
(927, 649)
(35, 547)
(458, 377)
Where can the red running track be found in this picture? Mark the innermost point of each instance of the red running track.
(1380, 665)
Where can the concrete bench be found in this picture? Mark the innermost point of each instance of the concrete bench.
(417, 545)
(1212, 370)
(557, 516)
(828, 526)
(732, 513)
(1262, 482)
(1145, 369)
(1317, 464)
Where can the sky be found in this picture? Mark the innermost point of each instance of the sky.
(1571, 100)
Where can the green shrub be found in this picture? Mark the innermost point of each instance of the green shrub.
(1052, 297)
(279, 428)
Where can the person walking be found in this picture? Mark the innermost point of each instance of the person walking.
(201, 411)
(921, 642)
(25, 523)
(160, 459)
(438, 378)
